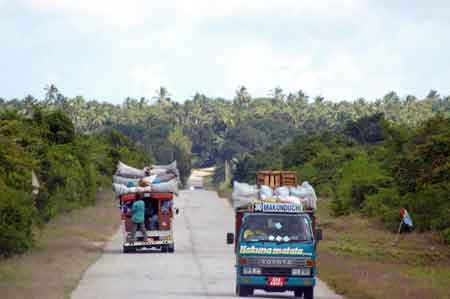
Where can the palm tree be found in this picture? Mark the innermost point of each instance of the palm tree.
(28, 105)
(277, 94)
(243, 98)
(51, 93)
(162, 95)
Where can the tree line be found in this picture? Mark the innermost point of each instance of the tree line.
(217, 129)
(324, 141)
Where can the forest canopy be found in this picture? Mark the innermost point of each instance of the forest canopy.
(370, 156)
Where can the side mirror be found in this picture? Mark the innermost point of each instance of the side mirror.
(177, 211)
(318, 235)
(230, 238)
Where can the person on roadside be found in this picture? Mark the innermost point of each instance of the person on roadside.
(138, 218)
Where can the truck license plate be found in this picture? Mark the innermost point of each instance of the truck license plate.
(276, 281)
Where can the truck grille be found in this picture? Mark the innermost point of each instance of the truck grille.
(276, 272)
(276, 262)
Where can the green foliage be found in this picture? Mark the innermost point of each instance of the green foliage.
(17, 216)
(357, 179)
(445, 234)
(60, 128)
(374, 166)
(69, 166)
(404, 143)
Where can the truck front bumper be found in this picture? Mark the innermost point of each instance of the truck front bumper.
(291, 282)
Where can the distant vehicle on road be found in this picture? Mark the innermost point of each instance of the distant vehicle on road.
(160, 233)
(192, 188)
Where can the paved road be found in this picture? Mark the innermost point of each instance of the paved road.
(201, 267)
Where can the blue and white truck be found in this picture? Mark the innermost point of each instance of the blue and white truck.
(275, 247)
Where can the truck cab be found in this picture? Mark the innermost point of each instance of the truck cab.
(275, 250)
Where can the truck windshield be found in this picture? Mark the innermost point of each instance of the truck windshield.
(276, 228)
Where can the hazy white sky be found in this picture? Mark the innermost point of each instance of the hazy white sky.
(107, 49)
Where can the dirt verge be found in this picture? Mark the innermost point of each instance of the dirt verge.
(359, 259)
(64, 250)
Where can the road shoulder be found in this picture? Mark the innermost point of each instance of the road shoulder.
(65, 248)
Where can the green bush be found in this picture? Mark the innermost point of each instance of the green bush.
(17, 216)
(385, 204)
(445, 235)
(355, 181)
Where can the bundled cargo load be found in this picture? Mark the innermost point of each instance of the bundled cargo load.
(306, 192)
(304, 195)
(170, 186)
(120, 189)
(166, 169)
(243, 194)
(126, 171)
(126, 181)
(157, 178)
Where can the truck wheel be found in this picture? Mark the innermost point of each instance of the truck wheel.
(308, 293)
(171, 248)
(128, 249)
(164, 248)
(298, 293)
(243, 291)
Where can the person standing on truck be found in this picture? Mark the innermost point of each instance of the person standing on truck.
(138, 219)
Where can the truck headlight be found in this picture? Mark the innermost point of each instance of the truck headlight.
(251, 271)
(301, 272)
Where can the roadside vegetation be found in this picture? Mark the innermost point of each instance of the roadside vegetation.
(359, 259)
(70, 167)
(369, 156)
(63, 250)
(374, 167)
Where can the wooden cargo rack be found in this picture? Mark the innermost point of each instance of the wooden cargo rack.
(276, 179)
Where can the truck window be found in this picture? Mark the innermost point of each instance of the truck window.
(276, 228)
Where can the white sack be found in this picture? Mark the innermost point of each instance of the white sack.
(122, 189)
(243, 194)
(125, 181)
(124, 170)
(161, 169)
(165, 177)
(291, 199)
(307, 186)
(282, 191)
(265, 192)
(148, 180)
(170, 186)
(307, 194)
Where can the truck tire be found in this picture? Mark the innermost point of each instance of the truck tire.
(244, 291)
(298, 293)
(128, 249)
(308, 293)
(171, 248)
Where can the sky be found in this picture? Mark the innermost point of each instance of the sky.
(108, 50)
